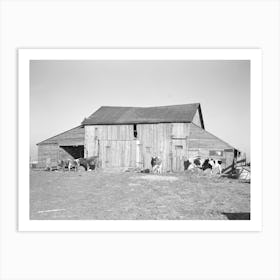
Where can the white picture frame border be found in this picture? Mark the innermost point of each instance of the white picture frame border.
(255, 57)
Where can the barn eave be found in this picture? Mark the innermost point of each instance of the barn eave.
(73, 137)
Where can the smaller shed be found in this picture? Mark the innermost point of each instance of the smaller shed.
(68, 144)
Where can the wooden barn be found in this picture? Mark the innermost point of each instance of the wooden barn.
(124, 137)
(69, 144)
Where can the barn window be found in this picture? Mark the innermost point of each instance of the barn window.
(96, 133)
(177, 147)
(135, 131)
(148, 149)
(216, 153)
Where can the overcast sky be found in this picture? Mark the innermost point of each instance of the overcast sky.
(63, 93)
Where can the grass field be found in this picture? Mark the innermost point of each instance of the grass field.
(99, 195)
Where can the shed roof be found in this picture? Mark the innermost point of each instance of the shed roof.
(71, 137)
(130, 115)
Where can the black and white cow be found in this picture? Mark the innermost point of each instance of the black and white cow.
(156, 163)
(216, 164)
(203, 164)
(192, 163)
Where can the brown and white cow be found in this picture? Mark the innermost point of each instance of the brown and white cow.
(90, 163)
(69, 164)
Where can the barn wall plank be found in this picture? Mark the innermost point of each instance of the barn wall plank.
(47, 151)
(153, 139)
(196, 119)
(119, 138)
(157, 141)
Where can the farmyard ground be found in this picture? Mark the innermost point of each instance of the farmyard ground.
(99, 195)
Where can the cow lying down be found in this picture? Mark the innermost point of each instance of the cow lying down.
(204, 164)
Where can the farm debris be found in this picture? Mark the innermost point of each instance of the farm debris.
(244, 172)
(145, 171)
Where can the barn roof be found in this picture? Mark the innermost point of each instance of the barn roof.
(131, 115)
(71, 137)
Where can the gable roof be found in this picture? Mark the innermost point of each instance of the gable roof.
(71, 137)
(134, 115)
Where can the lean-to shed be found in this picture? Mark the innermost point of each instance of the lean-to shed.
(66, 145)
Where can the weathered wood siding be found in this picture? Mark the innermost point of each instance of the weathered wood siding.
(155, 141)
(161, 140)
(49, 148)
(47, 151)
(53, 152)
(117, 146)
(174, 143)
(114, 144)
(196, 119)
(202, 142)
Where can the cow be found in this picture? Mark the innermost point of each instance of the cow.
(68, 163)
(203, 164)
(192, 163)
(156, 163)
(88, 163)
(207, 164)
(216, 164)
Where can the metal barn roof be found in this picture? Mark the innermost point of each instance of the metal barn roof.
(131, 115)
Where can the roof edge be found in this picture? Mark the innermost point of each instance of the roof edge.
(155, 122)
(42, 142)
(217, 137)
(84, 122)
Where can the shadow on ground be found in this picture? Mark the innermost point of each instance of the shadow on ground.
(237, 216)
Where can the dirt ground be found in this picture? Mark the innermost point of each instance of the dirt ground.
(99, 195)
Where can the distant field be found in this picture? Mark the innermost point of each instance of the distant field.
(99, 195)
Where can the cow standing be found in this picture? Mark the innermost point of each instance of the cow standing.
(68, 163)
(156, 163)
(90, 163)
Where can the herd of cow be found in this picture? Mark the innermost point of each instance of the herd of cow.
(91, 163)
(204, 164)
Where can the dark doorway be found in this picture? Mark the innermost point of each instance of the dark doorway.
(74, 151)
(135, 131)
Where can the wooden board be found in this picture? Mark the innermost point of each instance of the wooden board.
(114, 153)
(179, 154)
(47, 153)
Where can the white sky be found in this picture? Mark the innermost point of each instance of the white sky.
(63, 93)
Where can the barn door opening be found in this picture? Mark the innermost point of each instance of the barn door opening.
(179, 158)
(178, 154)
(71, 151)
